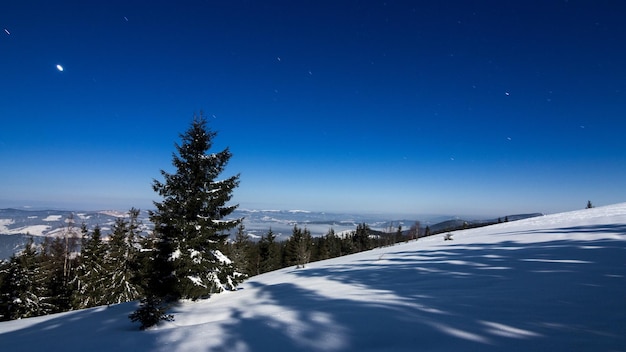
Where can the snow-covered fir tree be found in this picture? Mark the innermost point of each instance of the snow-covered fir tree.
(90, 284)
(121, 261)
(190, 229)
(22, 287)
(58, 259)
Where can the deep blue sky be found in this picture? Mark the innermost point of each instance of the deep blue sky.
(457, 107)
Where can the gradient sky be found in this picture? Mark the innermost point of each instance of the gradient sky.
(415, 107)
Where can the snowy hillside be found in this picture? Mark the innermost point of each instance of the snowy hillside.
(551, 283)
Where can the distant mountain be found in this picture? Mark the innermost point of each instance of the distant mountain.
(54, 222)
(17, 224)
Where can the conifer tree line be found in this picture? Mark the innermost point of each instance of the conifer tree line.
(267, 254)
(76, 270)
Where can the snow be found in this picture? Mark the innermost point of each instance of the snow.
(4, 223)
(175, 255)
(552, 283)
(35, 230)
(53, 218)
(221, 257)
(196, 280)
(115, 213)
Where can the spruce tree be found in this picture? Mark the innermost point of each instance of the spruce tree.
(151, 311)
(58, 267)
(22, 289)
(269, 253)
(121, 282)
(321, 249)
(90, 284)
(334, 244)
(299, 247)
(361, 238)
(190, 228)
(240, 251)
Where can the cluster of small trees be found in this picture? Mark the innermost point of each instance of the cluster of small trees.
(76, 270)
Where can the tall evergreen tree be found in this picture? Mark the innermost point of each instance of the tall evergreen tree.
(240, 251)
(299, 247)
(22, 289)
(58, 266)
(321, 250)
(269, 253)
(334, 244)
(90, 284)
(361, 238)
(121, 261)
(189, 222)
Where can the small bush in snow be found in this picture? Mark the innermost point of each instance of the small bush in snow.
(150, 313)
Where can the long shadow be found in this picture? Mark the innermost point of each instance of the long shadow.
(588, 229)
(72, 332)
(607, 228)
(559, 295)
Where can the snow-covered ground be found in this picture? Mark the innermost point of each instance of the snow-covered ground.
(553, 283)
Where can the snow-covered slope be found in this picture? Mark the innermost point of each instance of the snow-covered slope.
(553, 283)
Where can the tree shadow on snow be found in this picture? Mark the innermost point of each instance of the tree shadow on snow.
(72, 331)
(588, 229)
(563, 295)
(559, 295)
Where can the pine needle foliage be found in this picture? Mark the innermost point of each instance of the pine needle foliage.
(190, 230)
(90, 283)
(150, 312)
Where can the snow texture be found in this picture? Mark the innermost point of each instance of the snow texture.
(552, 283)
(53, 218)
(221, 257)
